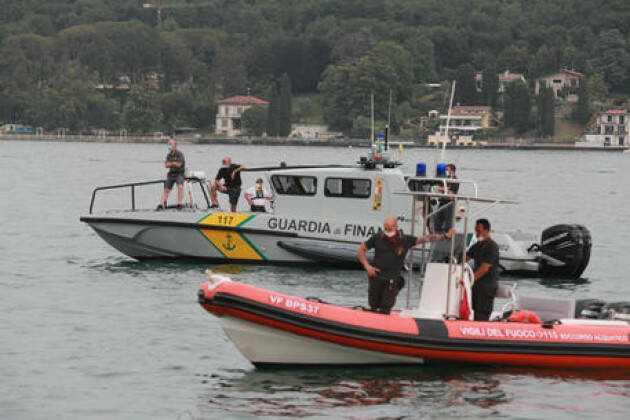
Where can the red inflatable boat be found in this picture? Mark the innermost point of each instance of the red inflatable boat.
(271, 328)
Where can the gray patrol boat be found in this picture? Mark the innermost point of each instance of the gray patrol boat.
(319, 215)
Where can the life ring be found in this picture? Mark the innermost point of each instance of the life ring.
(525, 316)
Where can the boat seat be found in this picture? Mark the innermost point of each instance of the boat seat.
(548, 308)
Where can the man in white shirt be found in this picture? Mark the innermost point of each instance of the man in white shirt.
(256, 196)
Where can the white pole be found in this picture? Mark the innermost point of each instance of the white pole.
(448, 120)
(372, 117)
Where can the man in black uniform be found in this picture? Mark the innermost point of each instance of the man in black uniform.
(390, 248)
(177, 167)
(230, 173)
(485, 253)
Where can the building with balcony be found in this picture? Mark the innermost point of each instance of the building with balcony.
(230, 111)
(610, 129)
(466, 120)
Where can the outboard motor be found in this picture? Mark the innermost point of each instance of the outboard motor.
(616, 310)
(565, 251)
(589, 308)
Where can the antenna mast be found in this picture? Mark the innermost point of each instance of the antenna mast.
(372, 117)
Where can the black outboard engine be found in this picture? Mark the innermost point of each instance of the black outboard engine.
(565, 251)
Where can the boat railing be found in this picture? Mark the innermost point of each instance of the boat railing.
(464, 213)
(132, 186)
(423, 184)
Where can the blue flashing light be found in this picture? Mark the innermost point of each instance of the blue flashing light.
(421, 169)
(440, 170)
(381, 135)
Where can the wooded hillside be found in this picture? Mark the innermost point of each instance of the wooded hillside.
(55, 53)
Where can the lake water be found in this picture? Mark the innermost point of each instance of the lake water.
(87, 333)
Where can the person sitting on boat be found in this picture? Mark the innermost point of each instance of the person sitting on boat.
(177, 167)
(256, 197)
(230, 173)
(390, 248)
(485, 254)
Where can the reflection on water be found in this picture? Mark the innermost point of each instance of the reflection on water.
(307, 392)
(393, 391)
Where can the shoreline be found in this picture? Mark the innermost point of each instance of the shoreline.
(305, 143)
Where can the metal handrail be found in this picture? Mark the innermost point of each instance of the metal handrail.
(443, 181)
(133, 186)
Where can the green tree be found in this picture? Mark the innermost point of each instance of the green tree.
(544, 62)
(177, 109)
(513, 58)
(72, 101)
(583, 112)
(545, 124)
(422, 54)
(336, 103)
(254, 120)
(490, 85)
(517, 106)
(142, 113)
(466, 89)
(273, 111)
(597, 90)
(611, 57)
(395, 54)
(284, 107)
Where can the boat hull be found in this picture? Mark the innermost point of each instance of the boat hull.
(184, 235)
(271, 328)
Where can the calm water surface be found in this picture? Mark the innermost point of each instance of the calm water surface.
(87, 333)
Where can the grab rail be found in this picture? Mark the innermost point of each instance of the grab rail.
(133, 186)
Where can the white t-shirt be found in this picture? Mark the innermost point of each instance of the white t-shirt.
(258, 195)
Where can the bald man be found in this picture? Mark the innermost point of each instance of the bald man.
(230, 173)
(390, 247)
(177, 167)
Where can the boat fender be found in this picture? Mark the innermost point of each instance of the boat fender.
(525, 316)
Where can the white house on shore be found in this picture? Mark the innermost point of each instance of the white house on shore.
(230, 111)
(612, 128)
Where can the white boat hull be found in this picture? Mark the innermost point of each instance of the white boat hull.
(265, 345)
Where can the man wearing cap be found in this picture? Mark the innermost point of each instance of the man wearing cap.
(256, 197)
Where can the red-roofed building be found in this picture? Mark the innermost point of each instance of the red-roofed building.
(230, 111)
(565, 80)
(612, 128)
(465, 120)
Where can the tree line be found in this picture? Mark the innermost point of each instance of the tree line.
(108, 64)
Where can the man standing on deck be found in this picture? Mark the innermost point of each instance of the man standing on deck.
(485, 253)
(177, 167)
(390, 248)
(230, 173)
